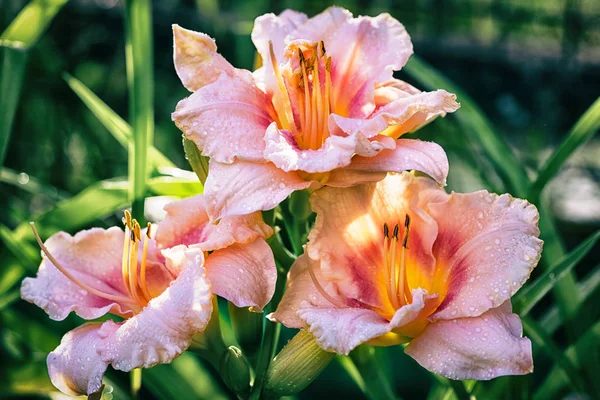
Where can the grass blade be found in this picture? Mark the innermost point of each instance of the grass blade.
(528, 297)
(23, 32)
(139, 60)
(184, 378)
(94, 202)
(25, 253)
(541, 340)
(12, 70)
(475, 124)
(116, 125)
(31, 22)
(555, 380)
(582, 131)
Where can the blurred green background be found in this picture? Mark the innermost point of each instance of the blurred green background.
(532, 67)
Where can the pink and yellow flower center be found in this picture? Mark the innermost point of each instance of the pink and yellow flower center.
(134, 278)
(401, 273)
(305, 98)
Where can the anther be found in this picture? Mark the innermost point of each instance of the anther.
(148, 227)
(127, 219)
(386, 231)
(396, 232)
(406, 231)
(322, 48)
(136, 230)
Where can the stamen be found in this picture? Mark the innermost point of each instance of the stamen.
(125, 259)
(393, 272)
(65, 272)
(321, 290)
(132, 266)
(285, 98)
(143, 283)
(317, 104)
(307, 111)
(406, 231)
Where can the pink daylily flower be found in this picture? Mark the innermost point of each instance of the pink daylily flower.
(160, 281)
(324, 109)
(401, 261)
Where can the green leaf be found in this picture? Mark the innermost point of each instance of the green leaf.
(475, 125)
(7, 299)
(96, 201)
(376, 384)
(32, 21)
(12, 71)
(539, 338)
(583, 130)
(116, 125)
(197, 161)
(554, 382)
(531, 294)
(139, 62)
(176, 187)
(27, 255)
(184, 378)
(22, 33)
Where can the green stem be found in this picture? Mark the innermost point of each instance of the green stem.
(269, 341)
(139, 60)
(374, 381)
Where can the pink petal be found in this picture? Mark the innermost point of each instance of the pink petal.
(300, 289)
(227, 119)
(364, 50)
(282, 150)
(340, 330)
(323, 26)
(196, 59)
(394, 89)
(480, 348)
(489, 245)
(243, 187)
(165, 328)
(409, 154)
(274, 29)
(187, 223)
(75, 366)
(348, 235)
(244, 274)
(400, 116)
(94, 257)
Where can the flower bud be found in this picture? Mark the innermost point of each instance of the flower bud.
(248, 327)
(296, 366)
(198, 162)
(235, 371)
(299, 205)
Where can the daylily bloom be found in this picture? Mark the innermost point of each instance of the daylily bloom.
(324, 109)
(401, 261)
(160, 281)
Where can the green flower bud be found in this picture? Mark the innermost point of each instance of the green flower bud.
(235, 371)
(248, 327)
(198, 162)
(296, 366)
(299, 205)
